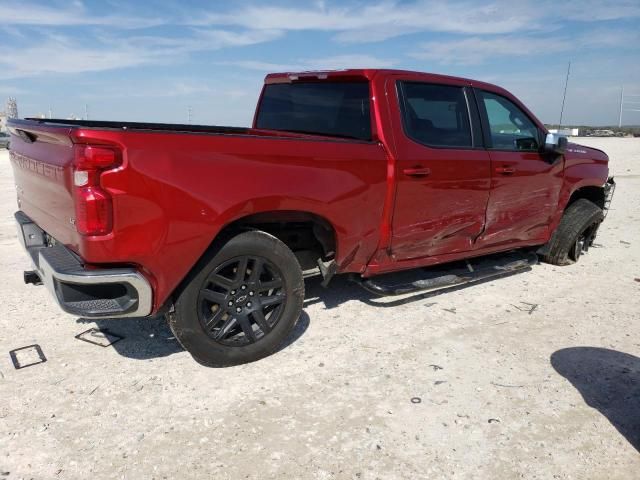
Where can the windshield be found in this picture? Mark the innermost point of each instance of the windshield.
(339, 109)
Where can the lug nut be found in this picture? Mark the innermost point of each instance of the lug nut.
(243, 287)
(238, 309)
(251, 294)
(230, 304)
(248, 304)
(233, 292)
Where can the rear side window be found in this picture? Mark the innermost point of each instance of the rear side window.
(337, 109)
(435, 115)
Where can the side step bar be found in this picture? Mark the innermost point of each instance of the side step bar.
(450, 275)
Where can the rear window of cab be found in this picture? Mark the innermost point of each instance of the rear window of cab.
(335, 109)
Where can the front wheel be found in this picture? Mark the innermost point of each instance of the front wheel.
(575, 234)
(240, 302)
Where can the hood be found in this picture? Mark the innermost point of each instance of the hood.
(581, 152)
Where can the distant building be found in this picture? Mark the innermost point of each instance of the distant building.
(567, 132)
(11, 111)
(12, 108)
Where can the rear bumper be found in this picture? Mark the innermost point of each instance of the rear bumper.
(90, 293)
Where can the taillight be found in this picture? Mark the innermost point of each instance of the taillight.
(93, 204)
(89, 157)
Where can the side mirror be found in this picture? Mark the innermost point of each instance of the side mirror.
(555, 144)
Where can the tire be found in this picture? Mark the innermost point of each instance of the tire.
(240, 302)
(575, 233)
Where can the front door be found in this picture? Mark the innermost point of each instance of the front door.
(526, 183)
(442, 171)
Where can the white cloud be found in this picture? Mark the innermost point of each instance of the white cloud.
(11, 90)
(60, 54)
(390, 18)
(336, 62)
(74, 14)
(598, 10)
(477, 50)
(382, 20)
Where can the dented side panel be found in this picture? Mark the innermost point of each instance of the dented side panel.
(522, 205)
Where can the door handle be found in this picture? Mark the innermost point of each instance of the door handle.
(505, 170)
(417, 172)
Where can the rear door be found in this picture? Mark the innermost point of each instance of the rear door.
(442, 170)
(525, 182)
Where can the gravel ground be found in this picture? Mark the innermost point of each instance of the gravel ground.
(475, 383)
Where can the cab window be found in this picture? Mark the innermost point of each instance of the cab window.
(435, 115)
(334, 109)
(510, 128)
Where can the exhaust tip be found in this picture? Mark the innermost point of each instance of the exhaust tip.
(32, 277)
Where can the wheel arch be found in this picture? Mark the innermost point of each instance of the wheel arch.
(288, 225)
(593, 193)
(295, 228)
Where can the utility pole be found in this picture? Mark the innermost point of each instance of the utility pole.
(86, 111)
(564, 96)
(50, 113)
(621, 103)
(189, 115)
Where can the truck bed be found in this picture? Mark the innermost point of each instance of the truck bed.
(172, 128)
(163, 127)
(176, 186)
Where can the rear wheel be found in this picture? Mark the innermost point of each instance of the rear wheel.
(575, 234)
(241, 302)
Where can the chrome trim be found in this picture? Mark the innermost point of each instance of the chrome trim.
(79, 275)
(129, 276)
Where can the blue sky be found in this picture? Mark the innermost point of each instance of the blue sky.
(153, 60)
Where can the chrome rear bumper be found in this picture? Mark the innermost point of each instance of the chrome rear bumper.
(90, 293)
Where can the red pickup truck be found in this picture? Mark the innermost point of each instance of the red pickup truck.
(362, 171)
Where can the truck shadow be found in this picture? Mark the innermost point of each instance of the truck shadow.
(343, 290)
(145, 338)
(608, 381)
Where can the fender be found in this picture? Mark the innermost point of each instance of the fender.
(576, 177)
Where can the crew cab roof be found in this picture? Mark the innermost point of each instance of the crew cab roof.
(369, 74)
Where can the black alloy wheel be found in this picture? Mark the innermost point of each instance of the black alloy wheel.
(242, 300)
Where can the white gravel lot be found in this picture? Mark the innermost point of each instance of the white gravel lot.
(501, 392)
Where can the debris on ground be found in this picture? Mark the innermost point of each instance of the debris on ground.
(99, 337)
(506, 386)
(528, 307)
(28, 356)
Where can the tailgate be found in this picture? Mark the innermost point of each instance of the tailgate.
(42, 161)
